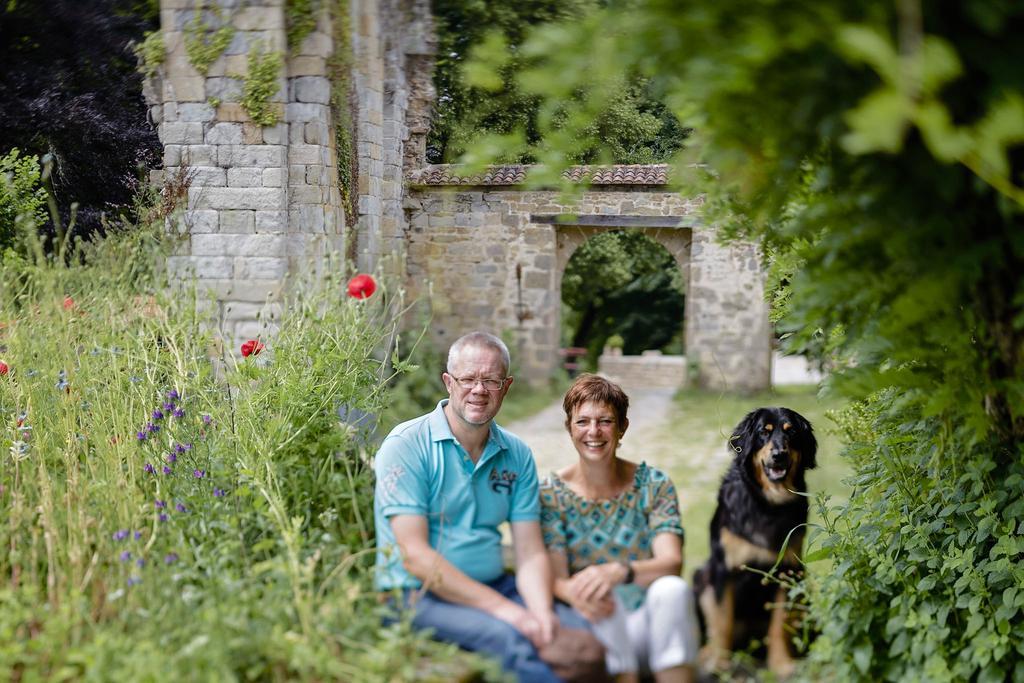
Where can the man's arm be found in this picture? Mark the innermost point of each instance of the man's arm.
(533, 576)
(446, 581)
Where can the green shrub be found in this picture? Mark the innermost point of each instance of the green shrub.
(22, 198)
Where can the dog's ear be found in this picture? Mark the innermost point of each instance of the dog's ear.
(805, 442)
(741, 443)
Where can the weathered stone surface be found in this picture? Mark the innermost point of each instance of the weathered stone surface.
(234, 222)
(247, 245)
(312, 89)
(178, 133)
(251, 198)
(245, 176)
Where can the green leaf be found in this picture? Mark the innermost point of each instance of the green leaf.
(865, 44)
(877, 123)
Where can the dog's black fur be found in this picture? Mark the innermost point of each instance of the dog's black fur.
(757, 509)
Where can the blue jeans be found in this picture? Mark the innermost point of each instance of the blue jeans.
(477, 631)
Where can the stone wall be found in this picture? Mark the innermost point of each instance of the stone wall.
(650, 370)
(492, 257)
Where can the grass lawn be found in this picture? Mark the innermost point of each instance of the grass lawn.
(697, 437)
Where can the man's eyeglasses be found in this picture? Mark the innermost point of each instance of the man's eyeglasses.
(488, 384)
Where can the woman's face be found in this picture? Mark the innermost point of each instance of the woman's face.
(595, 431)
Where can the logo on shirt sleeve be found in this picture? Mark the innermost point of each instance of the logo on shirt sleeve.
(389, 483)
(501, 482)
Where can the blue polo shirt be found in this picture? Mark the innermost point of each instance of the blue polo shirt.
(422, 470)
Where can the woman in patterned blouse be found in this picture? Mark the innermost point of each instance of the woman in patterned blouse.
(613, 532)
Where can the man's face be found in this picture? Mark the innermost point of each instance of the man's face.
(476, 405)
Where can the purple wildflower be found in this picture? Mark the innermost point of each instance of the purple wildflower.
(160, 504)
(126, 556)
(169, 407)
(179, 412)
(207, 419)
(172, 458)
(162, 517)
(158, 414)
(167, 470)
(120, 534)
(138, 535)
(180, 507)
(171, 558)
(140, 563)
(198, 474)
(134, 580)
(173, 395)
(141, 436)
(152, 428)
(179, 448)
(218, 493)
(149, 468)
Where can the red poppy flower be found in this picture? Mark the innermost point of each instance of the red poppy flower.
(69, 303)
(4, 368)
(362, 286)
(251, 348)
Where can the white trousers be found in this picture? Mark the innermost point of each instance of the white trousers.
(660, 634)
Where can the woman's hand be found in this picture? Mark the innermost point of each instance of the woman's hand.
(596, 581)
(592, 610)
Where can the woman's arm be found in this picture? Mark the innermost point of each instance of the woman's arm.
(592, 609)
(667, 549)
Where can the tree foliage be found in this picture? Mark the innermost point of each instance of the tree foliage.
(71, 90)
(634, 126)
(622, 283)
(875, 149)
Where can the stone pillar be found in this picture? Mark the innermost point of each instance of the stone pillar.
(261, 198)
(728, 334)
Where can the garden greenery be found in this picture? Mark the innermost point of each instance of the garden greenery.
(874, 150)
(204, 44)
(172, 511)
(261, 83)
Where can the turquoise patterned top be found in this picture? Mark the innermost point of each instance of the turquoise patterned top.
(620, 529)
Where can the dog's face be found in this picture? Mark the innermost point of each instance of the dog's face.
(773, 446)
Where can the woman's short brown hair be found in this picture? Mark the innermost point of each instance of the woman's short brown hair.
(596, 389)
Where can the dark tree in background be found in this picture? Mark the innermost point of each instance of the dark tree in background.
(70, 89)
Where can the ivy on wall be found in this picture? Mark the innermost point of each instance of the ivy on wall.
(151, 53)
(260, 85)
(300, 18)
(204, 44)
(339, 68)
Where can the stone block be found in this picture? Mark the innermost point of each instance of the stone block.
(202, 221)
(252, 291)
(229, 65)
(257, 244)
(213, 267)
(201, 112)
(199, 155)
(184, 89)
(231, 111)
(252, 133)
(242, 198)
(316, 133)
(312, 89)
(172, 155)
(306, 194)
(305, 154)
(251, 155)
(258, 19)
(272, 177)
(245, 177)
(224, 88)
(276, 134)
(316, 44)
(178, 133)
(271, 221)
(237, 222)
(307, 66)
(261, 267)
(208, 176)
(303, 112)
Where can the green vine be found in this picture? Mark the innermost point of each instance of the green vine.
(301, 20)
(151, 53)
(203, 44)
(339, 68)
(260, 85)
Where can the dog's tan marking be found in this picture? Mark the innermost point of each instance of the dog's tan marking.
(769, 427)
(739, 551)
(720, 619)
(777, 492)
(786, 426)
(780, 659)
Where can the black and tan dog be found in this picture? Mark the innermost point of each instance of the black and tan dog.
(758, 506)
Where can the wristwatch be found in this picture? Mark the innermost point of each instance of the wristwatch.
(630, 574)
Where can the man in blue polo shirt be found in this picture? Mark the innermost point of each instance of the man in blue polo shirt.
(445, 481)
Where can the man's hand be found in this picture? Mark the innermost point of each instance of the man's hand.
(525, 622)
(548, 626)
(596, 581)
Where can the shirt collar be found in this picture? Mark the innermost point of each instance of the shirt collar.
(440, 430)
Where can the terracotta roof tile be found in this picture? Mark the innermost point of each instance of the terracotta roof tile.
(635, 174)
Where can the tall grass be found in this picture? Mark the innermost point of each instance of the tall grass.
(172, 511)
